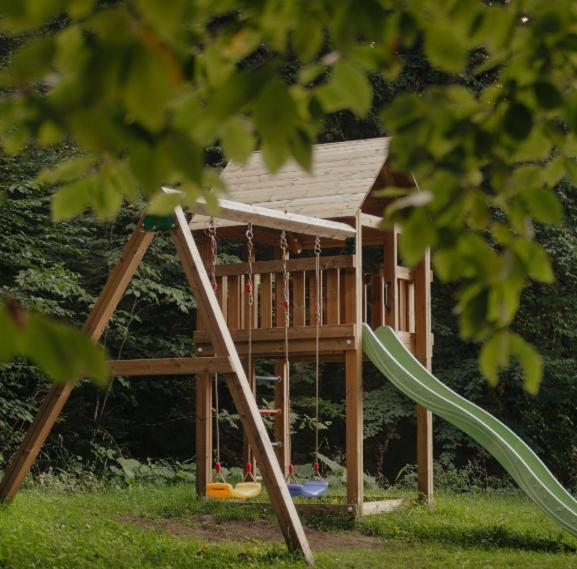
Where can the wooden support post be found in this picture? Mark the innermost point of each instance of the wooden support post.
(282, 421)
(97, 320)
(424, 352)
(354, 377)
(240, 390)
(204, 384)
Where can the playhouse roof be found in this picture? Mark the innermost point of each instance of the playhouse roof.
(343, 173)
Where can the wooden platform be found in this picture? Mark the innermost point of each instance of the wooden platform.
(369, 508)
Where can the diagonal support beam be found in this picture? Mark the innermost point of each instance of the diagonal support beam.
(240, 389)
(97, 320)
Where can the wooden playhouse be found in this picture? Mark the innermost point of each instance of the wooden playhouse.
(344, 184)
(335, 210)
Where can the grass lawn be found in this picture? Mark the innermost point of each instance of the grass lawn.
(157, 527)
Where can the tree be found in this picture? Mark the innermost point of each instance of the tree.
(144, 86)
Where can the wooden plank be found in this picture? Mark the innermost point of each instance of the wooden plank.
(408, 339)
(277, 334)
(170, 366)
(297, 347)
(298, 299)
(405, 274)
(265, 301)
(293, 265)
(372, 221)
(382, 506)
(282, 421)
(97, 320)
(333, 297)
(354, 379)
(240, 390)
(424, 352)
(203, 434)
(275, 219)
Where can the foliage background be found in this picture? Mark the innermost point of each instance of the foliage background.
(59, 269)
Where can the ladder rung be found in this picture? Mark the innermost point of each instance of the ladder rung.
(271, 378)
(269, 411)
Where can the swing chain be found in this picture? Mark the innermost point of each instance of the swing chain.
(286, 307)
(250, 253)
(218, 465)
(317, 252)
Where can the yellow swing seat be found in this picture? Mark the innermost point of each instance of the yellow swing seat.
(226, 491)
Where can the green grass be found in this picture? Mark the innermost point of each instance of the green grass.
(48, 529)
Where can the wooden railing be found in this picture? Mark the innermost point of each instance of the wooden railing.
(268, 308)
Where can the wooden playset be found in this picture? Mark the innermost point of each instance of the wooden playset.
(308, 302)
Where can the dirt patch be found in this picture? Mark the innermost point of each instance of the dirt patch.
(207, 528)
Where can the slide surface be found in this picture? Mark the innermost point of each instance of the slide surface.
(405, 372)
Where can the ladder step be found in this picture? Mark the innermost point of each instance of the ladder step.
(269, 411)
(271, 378)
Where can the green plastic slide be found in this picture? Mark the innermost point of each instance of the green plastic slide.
(405, 372)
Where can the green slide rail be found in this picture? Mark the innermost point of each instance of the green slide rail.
(391, 357)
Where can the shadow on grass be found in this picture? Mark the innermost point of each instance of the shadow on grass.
(488, 536)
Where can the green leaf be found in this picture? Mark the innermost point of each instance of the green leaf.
(148, 89)
(547, 95)
(543, 204)
(237, 140)
(494, 356)
(445, 49)
(73, 199)
(348, 88)
(66, 171)
(418, 234)
(518, 121)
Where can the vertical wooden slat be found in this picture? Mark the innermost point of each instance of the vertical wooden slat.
(97, 320)
(333, 297)
(233, 302)
(312, 284)
(402, 295)
(282, 421)
(411, 307)
(203, 420)
(247, 322)
(377, 308)
(298, 299)
(424, 352)
(354, 376)
(240, 390)
(390, 277)
(265, 301)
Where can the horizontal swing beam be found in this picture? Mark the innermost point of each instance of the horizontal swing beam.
(275, 219)
(170, 366)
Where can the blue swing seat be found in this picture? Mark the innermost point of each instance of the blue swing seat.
(310, 489)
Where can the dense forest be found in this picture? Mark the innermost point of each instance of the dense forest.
(60, 269)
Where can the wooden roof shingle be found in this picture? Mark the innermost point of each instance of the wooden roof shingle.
(342, 175)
